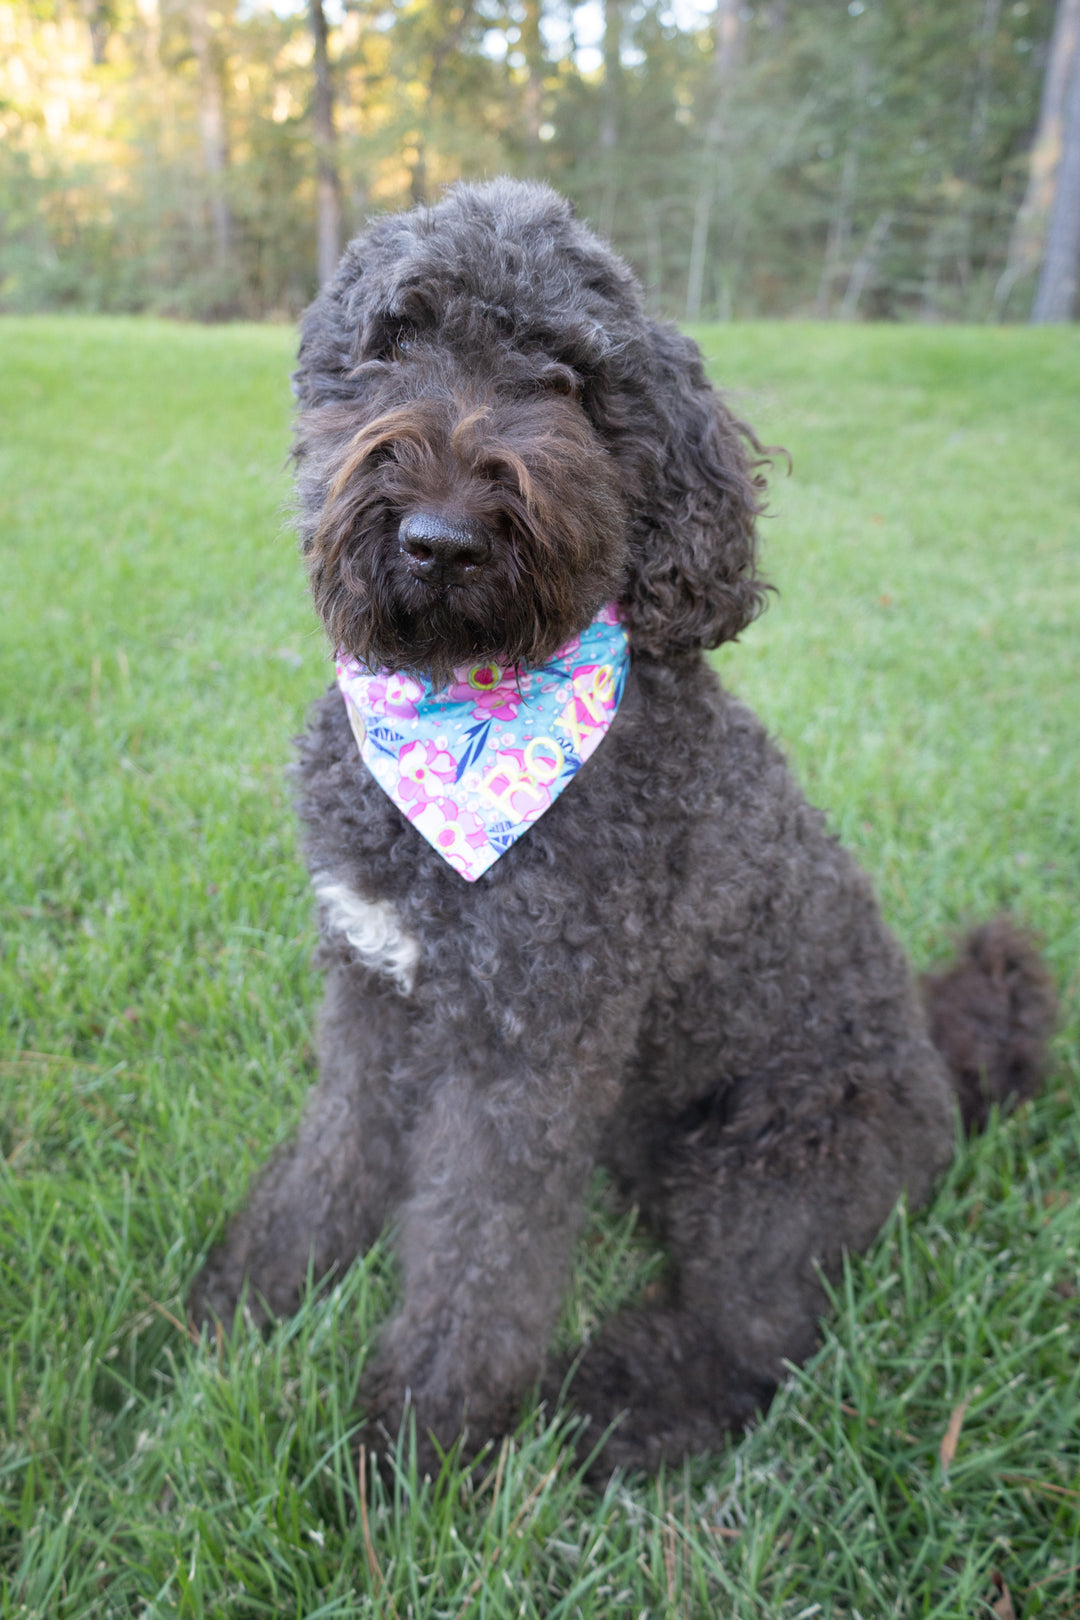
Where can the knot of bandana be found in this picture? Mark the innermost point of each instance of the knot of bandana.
(474, 765)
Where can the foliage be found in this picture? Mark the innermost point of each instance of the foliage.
(155, 1008)
(866, 157)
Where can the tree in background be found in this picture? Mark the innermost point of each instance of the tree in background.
(213, 131)
(1055, 297)
(328, 181)
(849, 157)
(1028, 239)
(727, 54)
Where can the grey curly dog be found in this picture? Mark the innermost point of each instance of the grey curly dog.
(674, 971)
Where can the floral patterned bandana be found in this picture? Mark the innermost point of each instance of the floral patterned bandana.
(474, 765)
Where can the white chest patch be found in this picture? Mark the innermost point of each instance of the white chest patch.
(373, 929)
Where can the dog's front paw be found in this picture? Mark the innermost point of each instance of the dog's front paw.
(391, 1430)
(213, 1297)
(220, 1291)
(403, 1415)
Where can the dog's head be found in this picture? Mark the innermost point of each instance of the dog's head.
(494, 440)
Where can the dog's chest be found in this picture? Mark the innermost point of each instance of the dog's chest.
(373, 929)
(390, 903)
(385, 897)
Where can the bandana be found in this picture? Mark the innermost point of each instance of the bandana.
(474, 765)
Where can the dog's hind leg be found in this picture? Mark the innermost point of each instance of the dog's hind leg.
(750, 1225)
(327, 1194)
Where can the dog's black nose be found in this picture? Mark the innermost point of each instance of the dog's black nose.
(442, 550)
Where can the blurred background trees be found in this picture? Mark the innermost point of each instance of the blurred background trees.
(880, 158)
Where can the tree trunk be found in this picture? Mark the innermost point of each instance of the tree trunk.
(985, 37)
(1029, 229)
(727, 54)
(983, 41)
(838, 240)
(450, 23)
(699, 241)
(99, 23)
(532, 46)
(213, 134)
(611, 114)
(152, 64)
(418, 174)
(328, 180)
(728, 29)
(839, 235)
(865, 265)
(1055, 297)
(933, 258)
(654, 257)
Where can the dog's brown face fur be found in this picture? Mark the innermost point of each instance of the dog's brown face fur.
(462, 522)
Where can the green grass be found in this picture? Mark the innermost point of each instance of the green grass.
(156, 1001)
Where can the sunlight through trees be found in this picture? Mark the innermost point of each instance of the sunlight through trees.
(849, 158)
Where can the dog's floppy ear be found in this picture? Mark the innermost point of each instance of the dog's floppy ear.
(693, 580)
(334, 327)
(326, 359)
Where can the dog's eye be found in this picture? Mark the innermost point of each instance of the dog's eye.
(401, 343)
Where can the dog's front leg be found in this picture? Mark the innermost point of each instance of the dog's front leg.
(326, 1195)
(485, 1245)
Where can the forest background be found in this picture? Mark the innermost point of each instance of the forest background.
(897, 159)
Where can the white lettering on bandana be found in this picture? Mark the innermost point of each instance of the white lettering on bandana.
(474, 765)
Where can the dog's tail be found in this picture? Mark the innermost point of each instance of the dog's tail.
(991, 1015)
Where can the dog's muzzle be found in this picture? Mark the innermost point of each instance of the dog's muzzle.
(443, 551)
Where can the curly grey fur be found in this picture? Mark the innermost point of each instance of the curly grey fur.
(677, 973)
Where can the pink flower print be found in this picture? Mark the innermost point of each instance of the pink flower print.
(423, 771)
(472, 829)
(492, 691)
(610, 613)
(395, 695)
(473, 679)
(456, 833)
(501, 704)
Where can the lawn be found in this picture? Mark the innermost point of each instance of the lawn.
(919, 664)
